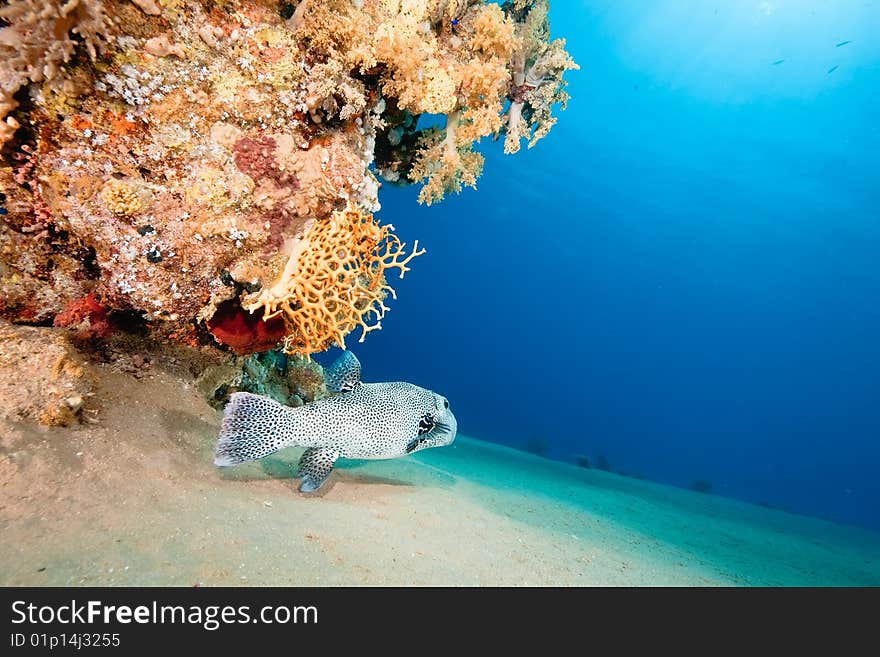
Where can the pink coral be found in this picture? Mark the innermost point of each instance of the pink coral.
(244, 332)
(256, 158)
(87, 316)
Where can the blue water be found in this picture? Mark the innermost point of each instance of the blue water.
(684, 275)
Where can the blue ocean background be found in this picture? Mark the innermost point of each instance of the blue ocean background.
(683, 277)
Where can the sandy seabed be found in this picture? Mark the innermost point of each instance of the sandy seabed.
(135, 499)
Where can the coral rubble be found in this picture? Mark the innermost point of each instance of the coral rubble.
(45, 381)
(290, 380)
(209, 166)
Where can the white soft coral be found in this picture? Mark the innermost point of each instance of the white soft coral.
(538, 67)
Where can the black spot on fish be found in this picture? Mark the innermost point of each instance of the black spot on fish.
(426, 424)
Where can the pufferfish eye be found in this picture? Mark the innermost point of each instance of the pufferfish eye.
(445, 403)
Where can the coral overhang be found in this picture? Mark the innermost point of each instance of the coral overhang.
(170, 159)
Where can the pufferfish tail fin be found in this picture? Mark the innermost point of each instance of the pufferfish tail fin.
(253, 427)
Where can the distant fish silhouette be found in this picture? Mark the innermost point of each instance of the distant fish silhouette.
(833, 68)
(778, 62)
(843, 43)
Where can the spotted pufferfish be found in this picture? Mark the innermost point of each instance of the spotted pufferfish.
(360, 421)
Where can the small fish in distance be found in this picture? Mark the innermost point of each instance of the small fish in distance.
(832, 69)
(843, 43)
(361, 421)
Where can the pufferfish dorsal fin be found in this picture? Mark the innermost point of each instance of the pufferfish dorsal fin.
(344, 375)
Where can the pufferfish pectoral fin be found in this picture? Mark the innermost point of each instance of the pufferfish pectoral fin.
(344, 374)
(314, 467)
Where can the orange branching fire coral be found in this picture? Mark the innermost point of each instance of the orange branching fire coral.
(335, 281)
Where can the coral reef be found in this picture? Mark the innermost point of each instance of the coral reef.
(40, 36)
(199, 165)
(85, 316)
(491, 56)
(245, 332)
(291, 380)
(538, 67)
